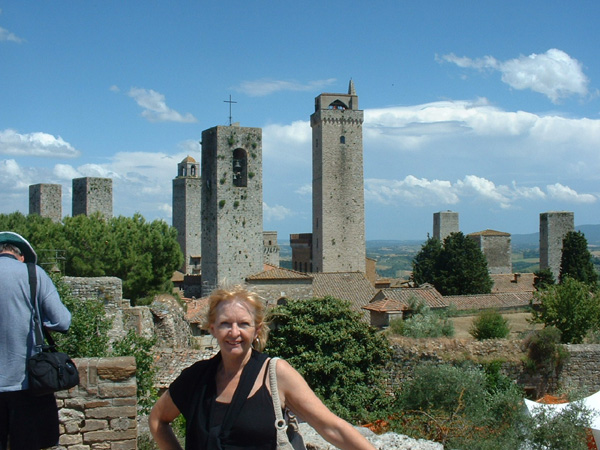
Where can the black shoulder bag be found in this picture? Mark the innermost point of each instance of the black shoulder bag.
(49, 370)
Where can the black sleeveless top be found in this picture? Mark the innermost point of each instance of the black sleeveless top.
(254, 427)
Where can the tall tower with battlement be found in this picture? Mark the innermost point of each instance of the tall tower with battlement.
(46, 200)
(232, 216)
(91, 195)
(554, 225)
(187, 197)
(338, 237)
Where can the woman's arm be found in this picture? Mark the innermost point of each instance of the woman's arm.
(163, 413)
(297, 395)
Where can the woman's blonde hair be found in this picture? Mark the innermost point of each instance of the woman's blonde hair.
(251, 299)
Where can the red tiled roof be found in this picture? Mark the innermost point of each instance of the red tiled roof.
(489, 233)
(485, 301)
(399, 299)
(196, 310)
(278, 273)
(350, 286)
(513, 282)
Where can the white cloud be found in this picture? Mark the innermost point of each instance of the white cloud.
(304, 190)
(290, 142)
(12, 176)
(114, 88)
(66, 172)
(413, 191)
(155, 108)
(35, 144)
(554, 73)
(566, 194)
(7, 36)
(265, 86)
(276, 212)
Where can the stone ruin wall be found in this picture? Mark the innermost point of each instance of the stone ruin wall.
(581, 370)
(100, 413)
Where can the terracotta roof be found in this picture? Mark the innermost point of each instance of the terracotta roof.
(351, 286)
(399, 299)
(489, 233)
(278, 273)
(485, 301)
(196, 310)
(177, 276)
(386, 305)
(513, 282)
(188, 159)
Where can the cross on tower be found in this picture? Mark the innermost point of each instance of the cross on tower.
(230, 102)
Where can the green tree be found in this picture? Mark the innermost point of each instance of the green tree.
(543, 279)
(576, 261)
(570, 307)
(425, 262)
(457, 268)
(340, 356)
(489, 324)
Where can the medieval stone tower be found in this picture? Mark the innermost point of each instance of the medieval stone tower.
(232, 218)
(554, 225)
(496, 247)
(92, 195)
(444, 224)
(46, 200)
(186, 213)
(338, 237)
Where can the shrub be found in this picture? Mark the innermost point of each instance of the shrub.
(545, 355)
(340, 356)
(423, 323)
(489, 324)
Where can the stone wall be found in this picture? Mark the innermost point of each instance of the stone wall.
(100, 413)
(581, 370)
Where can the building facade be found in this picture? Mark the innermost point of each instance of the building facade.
(338, 236)
(232, 218)
(554, 225)
(444, 224)
(92, 195)
(497, 248)
(187, 198)
(46, 200)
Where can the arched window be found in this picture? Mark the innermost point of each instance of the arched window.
(342, 139)
(338, 105)
(240, 168)
(193, 171)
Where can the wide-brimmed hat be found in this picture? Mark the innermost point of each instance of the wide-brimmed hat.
(8, 237)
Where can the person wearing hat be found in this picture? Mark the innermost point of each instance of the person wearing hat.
(26, 422)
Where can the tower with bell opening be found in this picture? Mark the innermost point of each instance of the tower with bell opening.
(338, 229)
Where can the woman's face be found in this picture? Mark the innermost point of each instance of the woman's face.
(234, 327)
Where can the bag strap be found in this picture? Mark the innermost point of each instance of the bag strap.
(280, 423)
(40, 330)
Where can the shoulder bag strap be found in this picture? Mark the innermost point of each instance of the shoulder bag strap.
(279, 421)
(37, 321)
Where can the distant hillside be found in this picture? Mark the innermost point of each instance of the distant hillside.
(592, 234)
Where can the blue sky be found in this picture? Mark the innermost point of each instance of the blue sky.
(490, 109)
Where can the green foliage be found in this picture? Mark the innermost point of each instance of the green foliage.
(143, 254)
(565, 430)
(141, 348)
(88, 334)
(543, 279)
(576, 261)
(461, 407)
(545, 355)
(458, 267)
(339, 355)
(489, 324)
(570, 307)
(88, 338)
(423, 323)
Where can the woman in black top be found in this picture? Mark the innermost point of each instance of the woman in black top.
(204, 392)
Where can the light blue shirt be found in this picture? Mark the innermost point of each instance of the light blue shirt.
(17, 338)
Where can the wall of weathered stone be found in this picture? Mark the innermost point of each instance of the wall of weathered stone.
(582, 369)
(100, 413)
